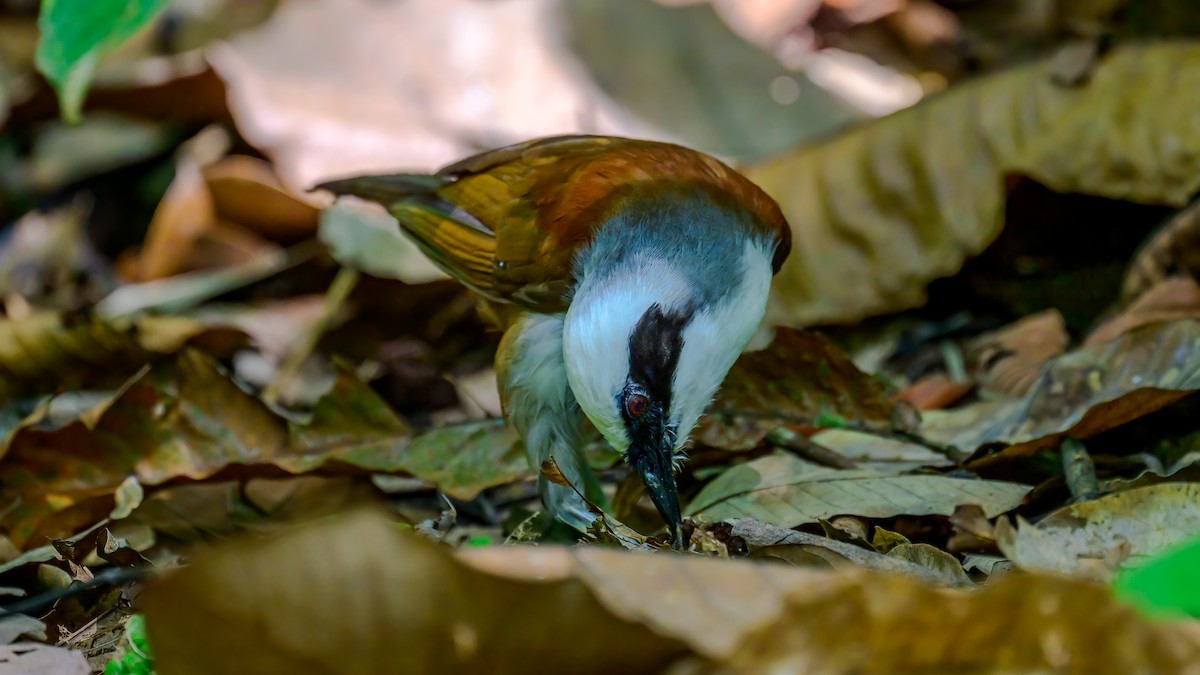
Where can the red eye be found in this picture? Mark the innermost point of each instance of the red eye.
(636, 405)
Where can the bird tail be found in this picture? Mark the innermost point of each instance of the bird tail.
(386, 189)
(452, 239)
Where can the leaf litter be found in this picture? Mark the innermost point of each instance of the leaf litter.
(209, 371)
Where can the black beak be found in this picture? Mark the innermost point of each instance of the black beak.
(657, 474)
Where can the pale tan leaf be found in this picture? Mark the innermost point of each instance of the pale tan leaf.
(880, 211)
(356, 595)
(38, 659)
(782, 489)
(1092, 538)
(1080, 394)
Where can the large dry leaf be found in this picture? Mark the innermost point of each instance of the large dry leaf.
(759, 536)
(765, 105)
(355, 595)
(795, 380)
(38, 659)
(337, 87)
(1092, 538)
(184, 419)
(1018, 624)
(880, 211)
(364, 237)
(1081, 394)
(784, 490)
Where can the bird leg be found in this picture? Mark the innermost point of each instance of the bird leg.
(538, 402)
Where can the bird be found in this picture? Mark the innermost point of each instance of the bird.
(626, 276)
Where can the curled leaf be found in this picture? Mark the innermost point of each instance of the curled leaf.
(881, 210)
(800, 380)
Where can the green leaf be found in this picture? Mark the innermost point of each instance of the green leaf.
(784, 490)
(1166, 585)
(76, 34)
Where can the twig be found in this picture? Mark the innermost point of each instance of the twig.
(808, 449)
(113, 576)
(1079, 471)
(335, 299)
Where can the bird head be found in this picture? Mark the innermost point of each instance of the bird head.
(654, 326)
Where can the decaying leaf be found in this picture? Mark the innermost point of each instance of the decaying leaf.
(332, 88)
(881, 210)
(1174, 250)
(795, 380)
(935, 392)
(1093, 538)
(51, 350)
(403, 604)
(1010, 360)
(356, 595)
(184, 419)
(1081, 394)
(1170, 300)
(933, 558)
(49, 262)
(1017, 624)
(889, 455)
(461, 459)
(38, 659)
(246, 190)
(758, 535)
(784, 490)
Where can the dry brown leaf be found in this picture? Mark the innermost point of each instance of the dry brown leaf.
(184, 419)
(38, 659)
(186, 233)
(246, 191)
(51, 351)
(782, 489)
(1080, 394)
(48, 261)
(1174, 250)
(1010, 359)
(935, 392)
(337, 87)
(1018, 624)
(758, 535)
(1169, 300)
(883, 209)
(1091, 539)
(791, 383)
(355, 595)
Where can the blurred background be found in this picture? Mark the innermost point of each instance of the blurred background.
(992, 202)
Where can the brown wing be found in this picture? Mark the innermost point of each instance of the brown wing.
(509, 222)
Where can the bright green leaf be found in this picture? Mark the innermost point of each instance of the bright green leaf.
(1166, 584)
(76, 34)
